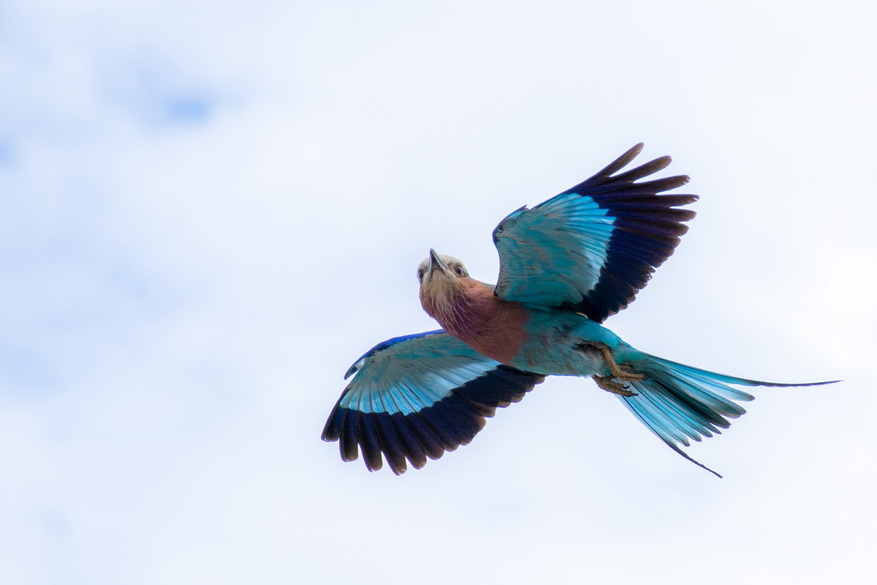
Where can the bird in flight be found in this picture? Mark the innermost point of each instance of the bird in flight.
(565, 266)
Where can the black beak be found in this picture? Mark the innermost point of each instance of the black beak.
(435, 263)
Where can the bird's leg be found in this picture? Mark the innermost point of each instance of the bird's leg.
(610, 385)
(616, 370)
(614, 382)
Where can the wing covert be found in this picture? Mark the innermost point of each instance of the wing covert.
(591, 248)
(417, 396)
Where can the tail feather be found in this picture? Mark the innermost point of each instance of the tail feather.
(679, 403)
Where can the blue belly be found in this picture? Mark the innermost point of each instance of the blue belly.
(562, 343)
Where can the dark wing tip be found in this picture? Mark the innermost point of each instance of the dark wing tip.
(333, 426)
(668, 183)
(622, 161)
(648, 225)
(431, 431)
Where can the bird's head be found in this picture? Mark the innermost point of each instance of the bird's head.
(442, 280)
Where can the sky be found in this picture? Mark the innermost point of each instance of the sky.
(209, 210)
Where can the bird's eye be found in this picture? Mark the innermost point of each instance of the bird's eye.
(459, 270)
(420, 274)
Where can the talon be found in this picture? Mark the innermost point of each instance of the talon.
(610, 385)
(617, 371)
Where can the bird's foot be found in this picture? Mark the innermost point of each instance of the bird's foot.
(610, 385)
(618, 371)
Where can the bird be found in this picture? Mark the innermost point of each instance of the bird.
(566, 265)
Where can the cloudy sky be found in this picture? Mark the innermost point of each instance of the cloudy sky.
(209, 210)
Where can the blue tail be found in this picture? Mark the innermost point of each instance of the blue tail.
(678, 402)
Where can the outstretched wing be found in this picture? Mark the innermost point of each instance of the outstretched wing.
(593, 247)
(418, 396)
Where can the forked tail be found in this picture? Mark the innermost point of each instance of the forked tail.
(678, 402)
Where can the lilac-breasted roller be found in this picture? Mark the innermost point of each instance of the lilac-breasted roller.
(565, 266)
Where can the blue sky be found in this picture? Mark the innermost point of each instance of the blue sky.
(209, 210)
